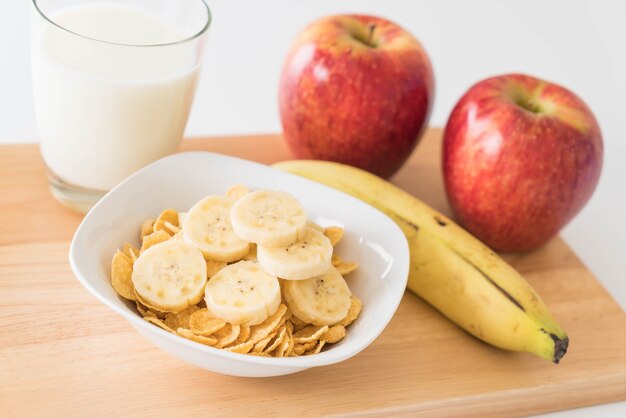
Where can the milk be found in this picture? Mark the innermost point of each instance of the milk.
(105, 110)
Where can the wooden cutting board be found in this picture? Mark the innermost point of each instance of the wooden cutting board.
(63, 353)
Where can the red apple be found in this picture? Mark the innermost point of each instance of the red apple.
(521, 157)
(356, 90)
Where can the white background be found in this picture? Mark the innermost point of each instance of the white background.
(579, 44)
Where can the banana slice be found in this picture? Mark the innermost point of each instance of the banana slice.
(309, 257)
(207, 227)
(181, 217)
(170, 276)
(242, 293)
(322, 300)
(269, 218)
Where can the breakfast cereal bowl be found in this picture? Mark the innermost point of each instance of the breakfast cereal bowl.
(371, 239)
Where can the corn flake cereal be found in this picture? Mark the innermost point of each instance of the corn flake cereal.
(310, 333)
(282, 349)
(212, 267)
(227, 335)
(153, 239)
(317, 348)
(242, 348)
(334, 334)
(197, 338)
(168, 215)
(181, 319)
(258, 332)
(145, 311)
(159, 323)
(282, 334)
(334, 234)
(343, 267)
(261, 344)
(298, 350)
(121, 276)
(277, 340)
(147, 228)
(244, 335)
(353, 312)
(130, 251)
(202, 323)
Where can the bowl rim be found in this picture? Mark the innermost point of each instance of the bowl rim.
(320, 359)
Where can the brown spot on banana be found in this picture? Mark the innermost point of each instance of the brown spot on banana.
(440, 221)
(490, 280)
(476, 330)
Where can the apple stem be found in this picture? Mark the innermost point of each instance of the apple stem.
(372, 27)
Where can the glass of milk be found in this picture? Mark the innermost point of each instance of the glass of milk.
(113, 84)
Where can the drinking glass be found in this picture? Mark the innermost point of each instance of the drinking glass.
(113, 84)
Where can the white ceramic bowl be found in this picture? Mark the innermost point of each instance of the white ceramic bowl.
(178, 181)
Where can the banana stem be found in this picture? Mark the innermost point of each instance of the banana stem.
(560, 348)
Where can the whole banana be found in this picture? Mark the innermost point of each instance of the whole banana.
(450, 269)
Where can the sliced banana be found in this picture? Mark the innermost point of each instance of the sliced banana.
(322, 300)
(207, 227)
(181, 217)
(170, 276)
(306, 258)
(269, 218)
(242, 293)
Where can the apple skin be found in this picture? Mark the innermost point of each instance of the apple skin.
(521, 157)
(344, 100)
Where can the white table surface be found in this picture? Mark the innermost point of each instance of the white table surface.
(580, 44)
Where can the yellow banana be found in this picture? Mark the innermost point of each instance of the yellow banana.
(450, 269)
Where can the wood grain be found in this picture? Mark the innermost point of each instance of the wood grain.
(63, 353)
